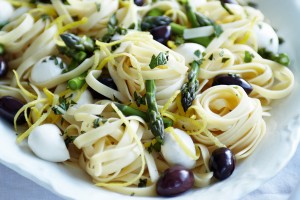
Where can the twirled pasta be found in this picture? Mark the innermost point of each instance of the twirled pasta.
(115, 148)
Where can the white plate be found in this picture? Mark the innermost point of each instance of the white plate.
(270, 156)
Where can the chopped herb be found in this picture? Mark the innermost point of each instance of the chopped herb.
(142, 183)
(140, 100)
(211, 57)
(132, 26)
(197, 53)
(248, 57)
(224, 60)
(252, 4)
(96, 122)
(114, 47)
(64, 105)
(69, 139)
(98, 6)
(160, 59)
(156, 146)
(45, 17)
(221, 54)
(260, 26)
(226, 7)
(281, 40)
(132, 194)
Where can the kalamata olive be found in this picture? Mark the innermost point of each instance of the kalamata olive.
(9, 106)
(161, 34)
(3, 67)
(105, 81)
(232, 79)
(222, 163)
(175, 180)
(139, 2)
(229, 1)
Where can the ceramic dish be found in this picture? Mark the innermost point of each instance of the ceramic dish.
(272, 154)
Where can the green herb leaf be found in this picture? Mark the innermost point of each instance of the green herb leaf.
(248, 57)
(64, 105)
(154, 147)
(98, 6)
(140, 100)
(224, 60)
(142, 183)
(160, 59)
(197, 53)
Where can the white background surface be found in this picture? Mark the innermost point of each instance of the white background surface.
(15, 187)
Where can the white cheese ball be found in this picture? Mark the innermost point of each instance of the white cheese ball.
(174, 154)
(47, 69)
(266, 37)
(187, 50)
(6, 12)
(47, 143)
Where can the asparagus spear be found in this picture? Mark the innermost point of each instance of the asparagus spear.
(129, 111)
(155, 120)
(77, 82)
(281, 58)
(74, 42)
(189, 89)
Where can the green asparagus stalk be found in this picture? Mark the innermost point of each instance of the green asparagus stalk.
(191, 15)
(155, 120)
(129, 111)
(189, 89)
(77, 82)
(72, 41)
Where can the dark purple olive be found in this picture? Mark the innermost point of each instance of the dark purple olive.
(3, 67)
(106, 81)
(222, 163)
(139, 2)
(174, 181)
(232, 79)
(9, 106)
(229, 1)
(161, 34)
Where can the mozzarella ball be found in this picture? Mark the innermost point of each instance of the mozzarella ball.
(187, 50)
(46, 69)
(174, 154)
(6, 12)
(47, 143)
(266, 37)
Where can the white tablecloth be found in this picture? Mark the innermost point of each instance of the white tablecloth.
(15, 187)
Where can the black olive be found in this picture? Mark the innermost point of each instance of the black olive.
(106, 81)
(222, 163)
(161, 34)
(232, 79)
(139, 2)
(3, 67)
(9, 106)
(175, 180)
